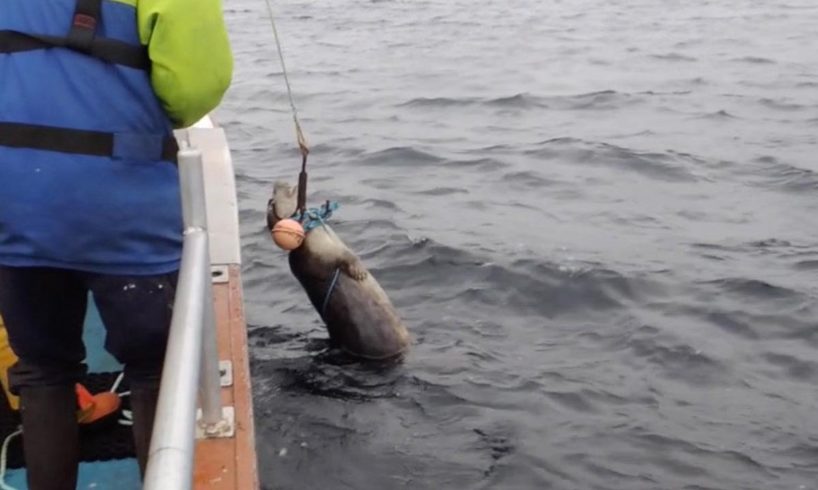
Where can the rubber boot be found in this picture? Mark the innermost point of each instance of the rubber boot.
(143, 406)
(50, 436)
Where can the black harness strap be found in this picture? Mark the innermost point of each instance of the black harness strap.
(87, 15)
(82, 37)
(76, 141)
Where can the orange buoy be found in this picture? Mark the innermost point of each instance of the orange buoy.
(95, 408)
(288, 234)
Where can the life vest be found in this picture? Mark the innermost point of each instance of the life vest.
(87, 174)
(82, 38)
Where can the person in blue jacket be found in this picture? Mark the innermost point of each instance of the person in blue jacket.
(89, 196)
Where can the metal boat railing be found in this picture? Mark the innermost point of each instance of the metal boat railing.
(191, 366)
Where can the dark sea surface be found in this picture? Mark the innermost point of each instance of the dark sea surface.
(599, 220)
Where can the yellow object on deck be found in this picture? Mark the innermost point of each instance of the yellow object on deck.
(7, 359)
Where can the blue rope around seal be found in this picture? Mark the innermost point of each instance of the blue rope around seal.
(313, 217)
(330, 290)
(310, 220)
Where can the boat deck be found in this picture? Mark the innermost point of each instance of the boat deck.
(226, 463)
(230, 463)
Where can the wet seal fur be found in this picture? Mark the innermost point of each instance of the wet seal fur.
(359, 316)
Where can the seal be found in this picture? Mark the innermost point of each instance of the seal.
(359, 316)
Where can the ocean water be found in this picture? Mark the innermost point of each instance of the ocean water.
(598, 219)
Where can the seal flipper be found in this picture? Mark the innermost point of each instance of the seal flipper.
(352, 266)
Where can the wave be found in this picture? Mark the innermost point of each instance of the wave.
(399, 156)
(807, 265)
(752, 288)
(792, 367)
(679, 361)
(425, 102)
(485, 164)
(721, 115)
(780, 105)
(441, 191)
(520, 101)
(775, 174)
(527, 178)
(673, 57)
(755, 60)
(668, 166)
(601, 100)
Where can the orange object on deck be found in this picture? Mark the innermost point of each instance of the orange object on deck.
(7, 359)
(93, 408)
